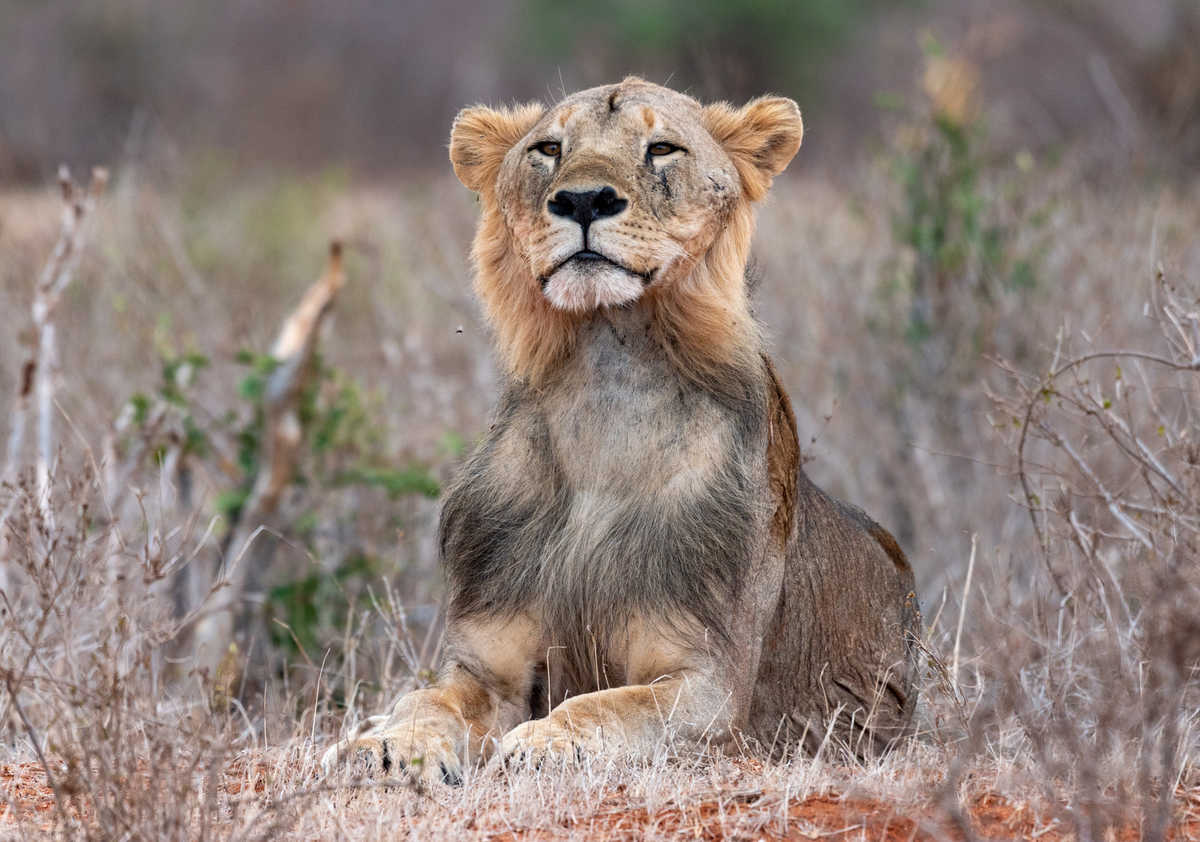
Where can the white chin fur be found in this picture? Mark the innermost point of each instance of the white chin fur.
(578, 288)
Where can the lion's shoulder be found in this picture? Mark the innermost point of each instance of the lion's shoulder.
(783, 455)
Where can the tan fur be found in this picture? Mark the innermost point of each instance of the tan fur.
(705, 320)
(482, 137)
(530, 334)
(668, 692)
(479, 697)
(761, 138)
(634, 554)
(701, 306)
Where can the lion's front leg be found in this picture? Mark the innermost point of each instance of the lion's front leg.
(431, 735)
(428, 736)
(633, 721)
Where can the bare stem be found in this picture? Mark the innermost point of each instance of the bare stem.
(293, 350)
(36, 381)
(962, 612)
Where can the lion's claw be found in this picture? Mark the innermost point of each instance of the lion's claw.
(451, 777)
(403, 753)
(535, 743)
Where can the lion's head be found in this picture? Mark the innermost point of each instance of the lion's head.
(619, 194)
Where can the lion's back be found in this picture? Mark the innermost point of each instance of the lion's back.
(843, 634)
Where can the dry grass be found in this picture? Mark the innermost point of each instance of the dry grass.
(1072, 708)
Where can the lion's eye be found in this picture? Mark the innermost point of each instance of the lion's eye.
(657, 150)
(549, 148)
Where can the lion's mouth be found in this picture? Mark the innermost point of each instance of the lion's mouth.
(589, 256)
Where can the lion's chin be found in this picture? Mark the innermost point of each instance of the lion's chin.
(583, 286)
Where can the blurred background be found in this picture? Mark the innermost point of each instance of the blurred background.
(371, 86)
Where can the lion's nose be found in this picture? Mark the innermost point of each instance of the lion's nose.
(587, 206)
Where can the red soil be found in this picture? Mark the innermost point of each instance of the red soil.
(27, 800)
(990, 817)
(26, 796)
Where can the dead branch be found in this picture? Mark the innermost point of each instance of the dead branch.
(36, 382)
(251, 546)
(1179, 321)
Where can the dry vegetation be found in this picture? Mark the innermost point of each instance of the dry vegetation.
(1030, 433)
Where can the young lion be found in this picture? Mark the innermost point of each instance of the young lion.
(633, 552)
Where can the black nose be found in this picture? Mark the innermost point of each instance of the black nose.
(587, 206)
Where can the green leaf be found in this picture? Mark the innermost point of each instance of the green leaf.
(1022, 276)
(229, 503)
(251, 387)
(195, 440)
(141, 408)
(890, 101)
(395, 482)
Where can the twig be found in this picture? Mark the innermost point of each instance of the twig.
(293, 350)
(1109, 500)
(37, 747)
(962, 611)
(55, 279)
(36, 378)
(1046, 388)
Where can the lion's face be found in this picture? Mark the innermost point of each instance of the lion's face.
(614, 190)
(615, 194)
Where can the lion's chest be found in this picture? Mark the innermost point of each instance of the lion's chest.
(622, 423)
(615, 497)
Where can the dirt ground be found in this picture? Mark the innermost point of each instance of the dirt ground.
(30, 805)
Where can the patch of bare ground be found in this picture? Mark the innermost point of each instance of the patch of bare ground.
(28, 796)
(30, 806)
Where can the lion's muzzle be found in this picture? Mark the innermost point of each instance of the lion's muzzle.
(586, 206)
(587, 277)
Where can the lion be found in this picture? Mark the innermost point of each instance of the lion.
(633, 553)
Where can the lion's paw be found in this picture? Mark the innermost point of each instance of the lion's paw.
(407, 754)
(542, 741)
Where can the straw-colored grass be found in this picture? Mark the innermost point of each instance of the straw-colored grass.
(1072, 707)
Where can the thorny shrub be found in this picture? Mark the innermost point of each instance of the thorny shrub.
(128, 750)
(85, 678)
(1089, 663)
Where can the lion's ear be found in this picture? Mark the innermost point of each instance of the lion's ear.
(481, 136)
(761, 138)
